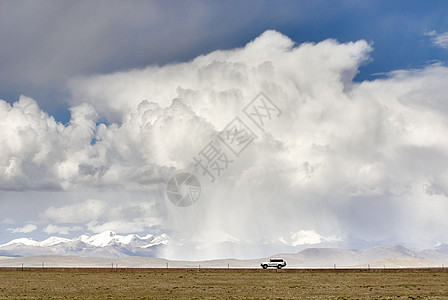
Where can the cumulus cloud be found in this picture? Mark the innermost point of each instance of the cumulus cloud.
(79, 27)
(25, 229)
(135, 215)
(39, 153)
(80, 212)
(439, 39)
(26, 148)
(344, 159)
(64, 230)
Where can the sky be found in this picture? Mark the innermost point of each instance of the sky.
(103, 102)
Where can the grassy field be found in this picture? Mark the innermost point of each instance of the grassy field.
(222, 283)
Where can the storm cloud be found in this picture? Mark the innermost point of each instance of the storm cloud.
(344, 160)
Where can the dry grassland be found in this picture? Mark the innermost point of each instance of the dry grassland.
(222, 283)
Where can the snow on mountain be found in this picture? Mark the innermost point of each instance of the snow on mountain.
(305, 237)
(102, 239)
(104, 244)
(158, 240)
(29, 242)
(213, 244)
(53, 240)
(22, 241)
(109, 238)
(82, 238)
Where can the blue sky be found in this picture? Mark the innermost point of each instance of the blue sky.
(59, 41)
(90, 132)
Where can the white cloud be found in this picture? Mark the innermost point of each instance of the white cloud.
(120, 226)
(439, 39)
(64, 230)
(151, 138)
(30, 146)
(135, 215)
(343, 159)
(81, 212)
(217, 84)
(25, 229)
(8, 221)
(67, 49)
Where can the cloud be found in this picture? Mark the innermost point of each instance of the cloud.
(160, 33)
(137, 214)
(26, 148)
(80, 212)
(439, 39)
(8, 221)
(344, 159)
(304, 237)
(120, 226)
(64, 230)
(39, 153)
(222, 80)
(25, 229)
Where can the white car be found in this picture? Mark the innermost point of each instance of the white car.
(275, 263)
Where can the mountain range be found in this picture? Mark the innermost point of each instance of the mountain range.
(105, 244)
(133, 250)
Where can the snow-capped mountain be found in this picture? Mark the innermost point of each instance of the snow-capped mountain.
(54, 240)
(105, 244)
(212, 244)
(110, 238)
(376, 257)
(305, 237)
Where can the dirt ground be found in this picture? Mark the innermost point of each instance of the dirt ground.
(223, 283)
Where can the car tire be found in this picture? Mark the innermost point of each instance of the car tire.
(265, 266)
(279, 266)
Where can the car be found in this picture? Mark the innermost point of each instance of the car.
(275, 263)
